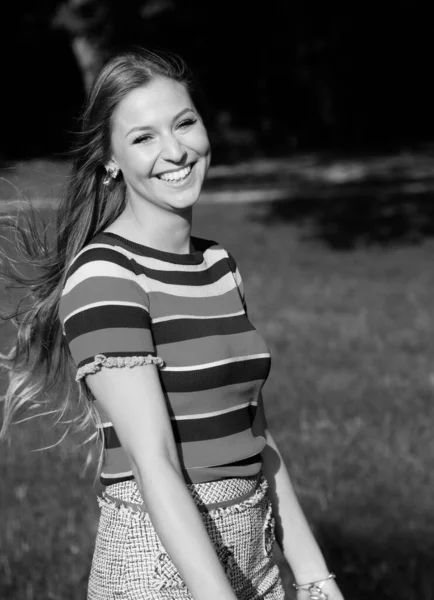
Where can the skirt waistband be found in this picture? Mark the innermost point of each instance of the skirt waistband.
(207, 496)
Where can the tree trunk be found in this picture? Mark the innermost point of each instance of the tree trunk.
(87, 23)
(88, 57)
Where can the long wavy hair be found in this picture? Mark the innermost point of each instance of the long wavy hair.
(39, 363)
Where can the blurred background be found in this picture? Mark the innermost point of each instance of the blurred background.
(320, 117)
(278, 76)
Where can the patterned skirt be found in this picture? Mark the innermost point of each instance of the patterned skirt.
(130, 562)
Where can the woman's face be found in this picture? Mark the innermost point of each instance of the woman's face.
(160, 144)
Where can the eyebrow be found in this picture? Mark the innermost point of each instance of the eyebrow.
(145, 127)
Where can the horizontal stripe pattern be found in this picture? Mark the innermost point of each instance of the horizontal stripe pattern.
(124, 299)
(190, 278)
(213, 288)
(92, 291)
(209, 349)
(155, 262)
(222, 304)
(240, 371)
(200, 428)
(176, 330)
(227, 397)
(118, 316)
(235, 469)
(223, 450)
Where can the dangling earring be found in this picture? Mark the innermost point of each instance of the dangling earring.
(112, 173)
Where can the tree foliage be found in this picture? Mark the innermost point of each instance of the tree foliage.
(278, 75)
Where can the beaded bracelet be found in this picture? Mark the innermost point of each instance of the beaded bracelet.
(315, 591)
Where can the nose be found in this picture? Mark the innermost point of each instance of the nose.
(173, 150)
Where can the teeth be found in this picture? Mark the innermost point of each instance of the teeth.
(176, 175)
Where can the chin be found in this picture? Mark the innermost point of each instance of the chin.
(184, 201)
(185, 197)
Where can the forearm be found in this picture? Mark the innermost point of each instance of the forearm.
(293, 533)
(179, 525)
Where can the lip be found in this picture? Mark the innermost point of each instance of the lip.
(190, 164)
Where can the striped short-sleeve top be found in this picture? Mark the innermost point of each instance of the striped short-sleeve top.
(124, 303)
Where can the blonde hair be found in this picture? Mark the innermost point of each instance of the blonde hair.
(39, 363)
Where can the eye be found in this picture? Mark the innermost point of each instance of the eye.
(142, 138)
(187, 123)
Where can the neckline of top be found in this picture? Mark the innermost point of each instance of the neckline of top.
(195, 257)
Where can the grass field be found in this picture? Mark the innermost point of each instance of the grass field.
(349, 401)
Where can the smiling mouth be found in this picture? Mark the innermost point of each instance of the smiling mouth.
(177, 176)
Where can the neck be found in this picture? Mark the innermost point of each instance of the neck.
(155, 227)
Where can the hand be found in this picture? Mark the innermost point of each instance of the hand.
(329, 588)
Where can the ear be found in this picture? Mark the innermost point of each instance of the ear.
(111, 165)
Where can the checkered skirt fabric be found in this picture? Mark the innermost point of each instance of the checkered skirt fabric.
(130, 562)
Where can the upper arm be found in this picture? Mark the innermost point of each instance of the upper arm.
(105, 312)
(106, 322)
(135, 404)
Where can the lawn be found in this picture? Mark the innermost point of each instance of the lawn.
(349, 401)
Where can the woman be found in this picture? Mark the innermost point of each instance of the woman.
(153, 323)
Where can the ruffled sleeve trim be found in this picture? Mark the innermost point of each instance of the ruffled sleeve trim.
(101, 360)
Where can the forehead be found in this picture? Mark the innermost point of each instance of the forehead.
(151, 104)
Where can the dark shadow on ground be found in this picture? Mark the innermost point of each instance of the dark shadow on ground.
(381, 566)
(346, 202)
(356, 217)
(376, 565)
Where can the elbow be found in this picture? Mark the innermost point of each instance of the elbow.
(159, 482)
(150, 470)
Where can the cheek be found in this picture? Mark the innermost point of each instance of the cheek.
(200, 142)
(137, 161)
